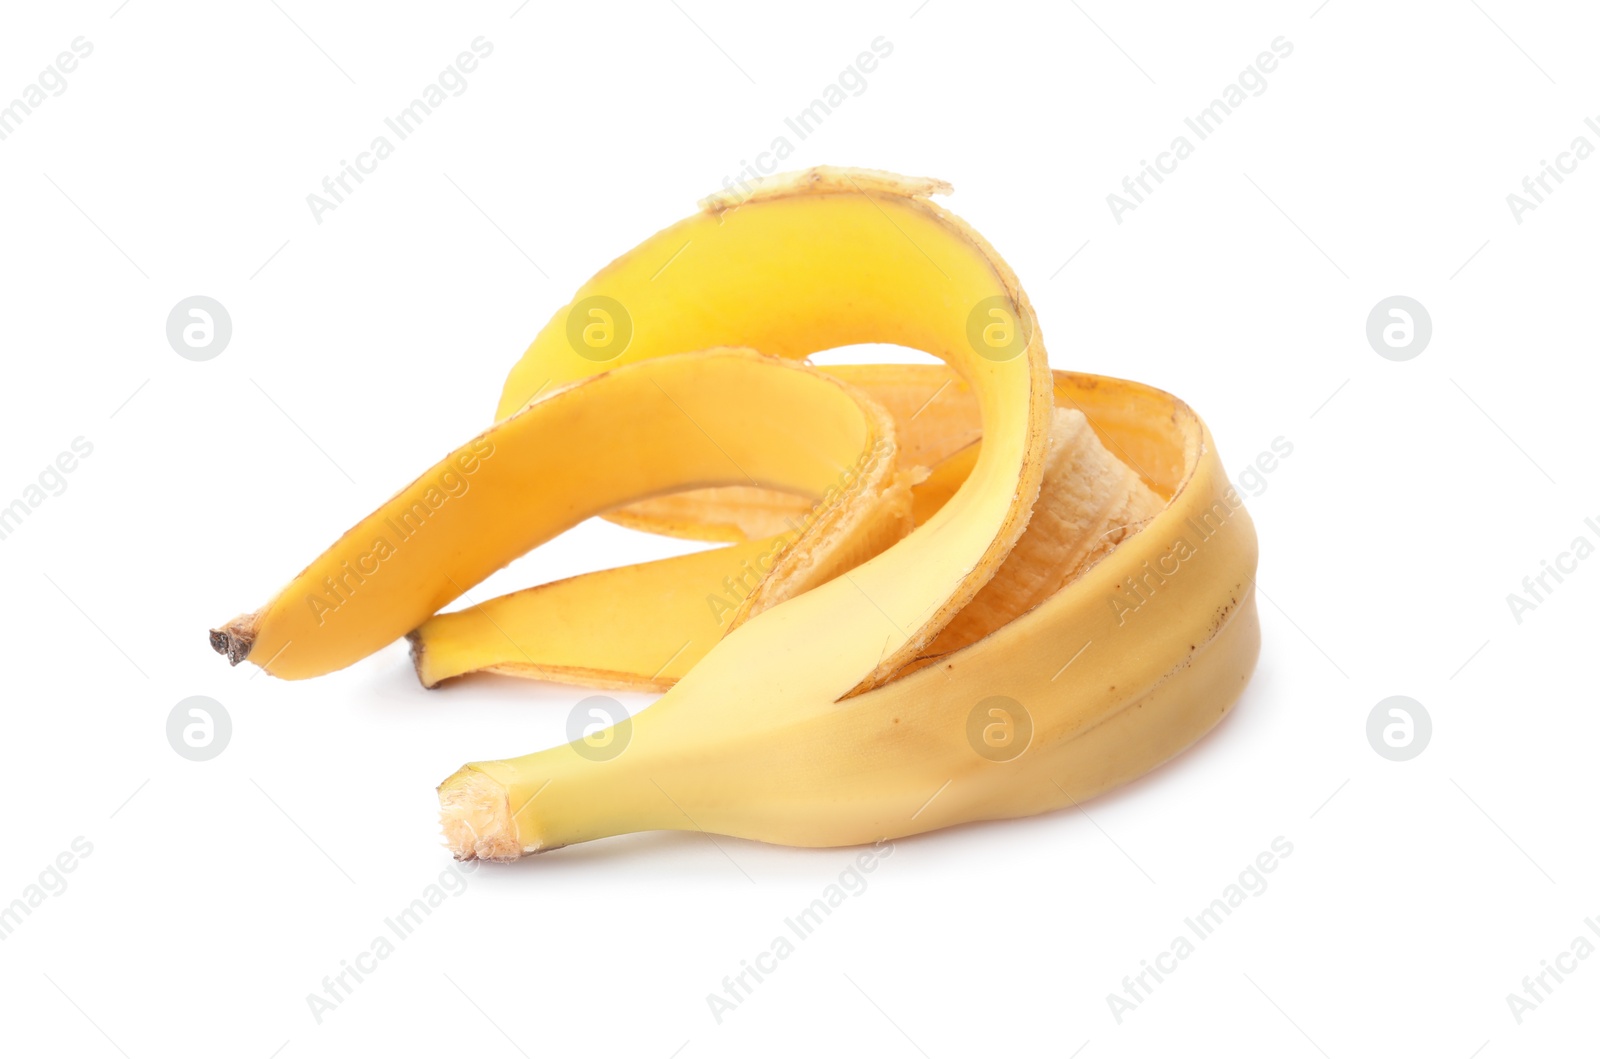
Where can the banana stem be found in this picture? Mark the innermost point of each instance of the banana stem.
(502, 810)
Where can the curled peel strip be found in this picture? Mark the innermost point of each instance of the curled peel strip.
(1015, 651)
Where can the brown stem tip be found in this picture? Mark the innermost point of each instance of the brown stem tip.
(234, 640)
(419, 659)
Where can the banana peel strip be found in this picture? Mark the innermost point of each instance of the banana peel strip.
(611, 628)
(686, 421)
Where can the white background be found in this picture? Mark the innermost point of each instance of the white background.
(1418, 495)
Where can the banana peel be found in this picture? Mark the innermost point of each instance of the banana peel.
(952, 593)
(685, 421)
(676, 608)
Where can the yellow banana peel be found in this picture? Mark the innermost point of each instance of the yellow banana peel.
(949, 592)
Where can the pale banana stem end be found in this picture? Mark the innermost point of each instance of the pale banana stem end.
(475, 812)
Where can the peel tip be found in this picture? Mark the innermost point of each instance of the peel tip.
(820, 180)
(419, 660)
(234, 640)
